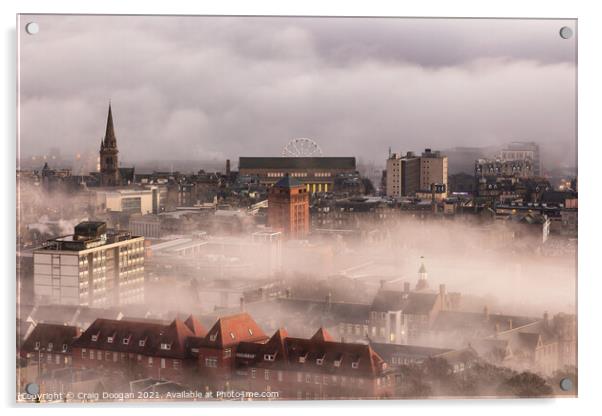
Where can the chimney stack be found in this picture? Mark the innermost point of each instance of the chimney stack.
(546, 319)
(406, 287)
(242, 304)
(228, 167)
(509, 323)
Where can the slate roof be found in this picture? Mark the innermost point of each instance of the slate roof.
(410, 303)
(314, 355)
(288, 182)
(52, 338)
(140, 337)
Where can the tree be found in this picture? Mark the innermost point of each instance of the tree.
(525, 384)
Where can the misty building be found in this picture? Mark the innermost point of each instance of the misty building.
(127, 200)
(402, 175)
(523, 151)
(317, 174)
(499, 168)
(288, 208)
(433, 169)
(93, 267)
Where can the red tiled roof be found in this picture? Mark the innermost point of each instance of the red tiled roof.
(195, 326)
(231, 330)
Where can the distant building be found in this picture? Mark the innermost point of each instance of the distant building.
(288, 207)
(402, 175)
(523, 151)
(125, 200)
(516, 168)
(317, 174)
(48, 347)
(433, 169)
(110, 172)
(93, 267)
(148, 226)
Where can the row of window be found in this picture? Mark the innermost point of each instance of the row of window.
(115, 357)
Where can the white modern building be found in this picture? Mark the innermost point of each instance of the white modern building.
(92, 267)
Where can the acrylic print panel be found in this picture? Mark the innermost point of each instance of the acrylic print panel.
(295, 208)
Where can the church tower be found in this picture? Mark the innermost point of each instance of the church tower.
(109, 165)
(423, 283)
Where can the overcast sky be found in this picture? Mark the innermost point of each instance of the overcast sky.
(215, 87)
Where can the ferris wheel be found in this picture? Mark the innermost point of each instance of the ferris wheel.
(302, 147)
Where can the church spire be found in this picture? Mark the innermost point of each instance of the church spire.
(110, 139)
(422, 276)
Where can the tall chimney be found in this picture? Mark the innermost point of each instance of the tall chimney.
(228, 167)
(509, 323)
(546, 319)
(242, 304)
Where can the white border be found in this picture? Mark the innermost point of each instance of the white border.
(590, 289)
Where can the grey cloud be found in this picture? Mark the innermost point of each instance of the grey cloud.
(212, 88)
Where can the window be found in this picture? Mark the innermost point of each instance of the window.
(299, 377)
(107, 355)
(307, 378)
(165, 346)
(150, 361)
(141, 343)
(139, 357)
(126, 341)
(50, 346)
(211, 362)
(320, 361)
(279, 375)
(110, 340)
(337, 363)
(176, 364)
(266, 374)
(162, 362)
(37, 345)
(65, 347)
(355, 365)
(95, 337)
(253, 372)
(57, 359)
(227, 353)
(212, 337)
(99, 355)
(269, 357)
(115, 357)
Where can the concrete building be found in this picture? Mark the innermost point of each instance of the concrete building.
(148, 226)
(523, 151)
(403, 175)
(317, 174)
(288, 208)
(433, 169)
(515, 168)
(92, 267)
(126, 200)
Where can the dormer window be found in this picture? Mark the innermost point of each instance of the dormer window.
(320, 361)
(337, 362)
(269, 357)
(302, 358)
(126, 341)
(141, 343)
(50, 346)
(110, 340)
(165, 346)
(37, 345)
(65, 346)
(212, 337)
(355, 365)
(95, 337)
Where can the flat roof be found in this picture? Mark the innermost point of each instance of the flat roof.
(296, 163)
